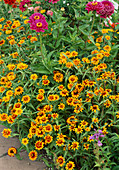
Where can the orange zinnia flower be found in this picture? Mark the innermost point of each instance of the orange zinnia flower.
(6, 133)
(12, 151)
(33, 155)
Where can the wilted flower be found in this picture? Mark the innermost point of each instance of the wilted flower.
(37, 22)
(108, 9)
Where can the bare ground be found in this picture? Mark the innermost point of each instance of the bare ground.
(12, 163)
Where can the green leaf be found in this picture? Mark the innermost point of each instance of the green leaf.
(44, 50)
(116, 47)
(76, 13)
(15, 134)
(39, 157)
(46, 162)
(36, 54)
(81, 28)
(91, 39)
(30, 105)
(97, 164)
(38, 68)
(18, 156)
(50, 54)
(115, 168)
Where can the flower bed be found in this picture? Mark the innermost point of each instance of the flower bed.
(59, 81)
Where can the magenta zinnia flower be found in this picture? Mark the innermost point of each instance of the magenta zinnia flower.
(108, 9)
(53, 1)
(24, 4)
(38, 22)
(94, 6)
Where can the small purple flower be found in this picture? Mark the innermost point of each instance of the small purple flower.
(99, 143)
(92, 137)
(96, 136)
(100, 131)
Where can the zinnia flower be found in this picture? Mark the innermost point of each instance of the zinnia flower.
(53, 1)
(33, 155)
(6, 133)
(70, 165)
(49, 12)
(108, 9)
(36, 9)
(2, 42)
(60, 160)
(24, 4)
(94, 6)
(37, 22)
(12, 151)
(10, 2)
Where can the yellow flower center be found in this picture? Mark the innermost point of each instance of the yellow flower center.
(94, 3)
(39, 24)
(36, 17)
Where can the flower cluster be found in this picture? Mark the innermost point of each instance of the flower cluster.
(10, 2)
(38, 22)
(96, 136)
(104, 9)
(94, 6)
(56, 92)
(24, 4)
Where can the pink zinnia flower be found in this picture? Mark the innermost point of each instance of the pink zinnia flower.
(36, 8)
(10, 11)
(94, 6)
(24, 4)
(37, 2)
(31, 8)
(108, 9)
(53, 1)
(37, 22)
(49, 12)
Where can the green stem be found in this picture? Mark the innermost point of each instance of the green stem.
(92, 25)
(41, 46)
(42, 55)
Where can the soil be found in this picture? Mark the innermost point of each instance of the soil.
(12, 163)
